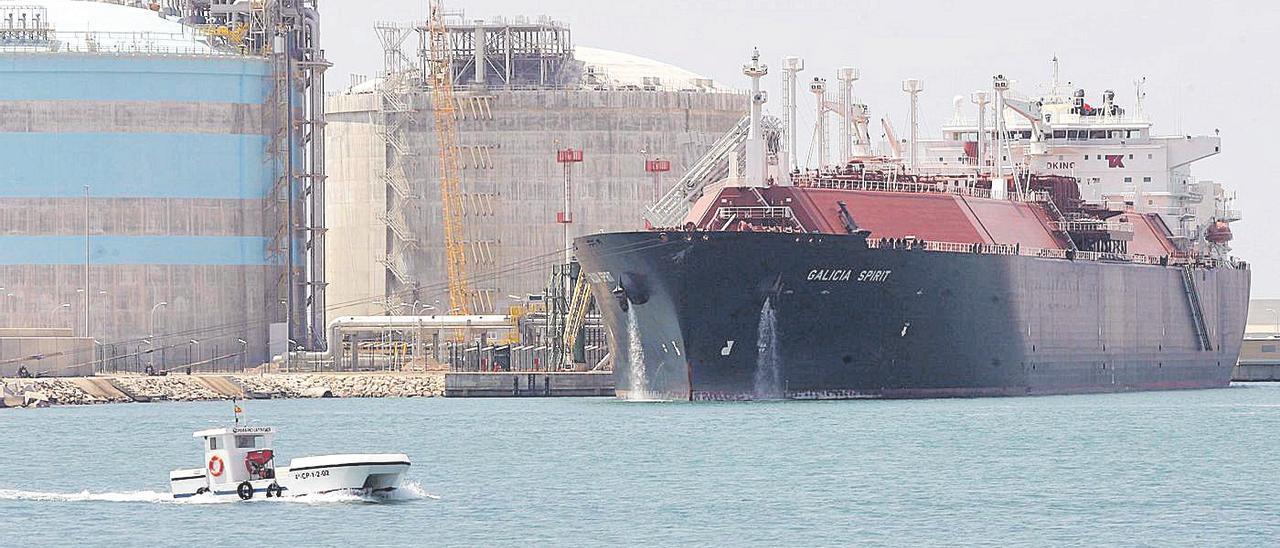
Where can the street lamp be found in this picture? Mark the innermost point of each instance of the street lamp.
(150, 349)
(196, 344)
(55, 311)
(151, 329)
(244, 352)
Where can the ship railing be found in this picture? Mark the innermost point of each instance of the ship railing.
(1174, 259)
(754, 212)
(1038, 196)
(1094, 226)
(908, 187)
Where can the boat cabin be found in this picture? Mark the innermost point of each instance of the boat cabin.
(237, 454)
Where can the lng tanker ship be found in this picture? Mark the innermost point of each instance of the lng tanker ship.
(874, 280)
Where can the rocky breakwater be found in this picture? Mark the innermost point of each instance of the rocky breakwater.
(51, 391)
(123, 388)
(170, 387)
(352, 385)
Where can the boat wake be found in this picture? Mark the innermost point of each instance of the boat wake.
(86, 496)
(409, 491)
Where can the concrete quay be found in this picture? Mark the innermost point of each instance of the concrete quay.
(528, 384)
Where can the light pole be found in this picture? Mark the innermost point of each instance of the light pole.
(244, 352)
(196, 344)
(150, 349)
(151, 330)
(105, 330)
(151, 327)
(55, 311)
(86, 260)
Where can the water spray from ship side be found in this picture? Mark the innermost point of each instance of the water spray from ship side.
(638, 388)
(768, 376)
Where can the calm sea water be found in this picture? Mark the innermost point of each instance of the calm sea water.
(1190, 468)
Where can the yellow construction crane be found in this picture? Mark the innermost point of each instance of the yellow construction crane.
(440, 63)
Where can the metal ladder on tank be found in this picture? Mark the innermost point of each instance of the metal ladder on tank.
(1197, 314)
(673, 206)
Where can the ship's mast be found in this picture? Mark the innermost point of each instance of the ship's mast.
(819, 89)
(756, 162)
(913, 87)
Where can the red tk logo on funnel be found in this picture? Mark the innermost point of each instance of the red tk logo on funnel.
(1115, 160)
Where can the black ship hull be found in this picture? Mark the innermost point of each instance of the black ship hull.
(753, 315)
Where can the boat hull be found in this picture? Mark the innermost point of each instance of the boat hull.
(358, 474)
(752, 315)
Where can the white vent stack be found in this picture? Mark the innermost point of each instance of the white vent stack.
(846, 76)
(1000, 85)
(756, 161)
(791, 67)
(913, 87)
(981, 98)
(819, 89)
(479, 39)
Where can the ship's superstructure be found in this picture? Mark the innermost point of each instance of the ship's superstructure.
(872, 279)
(1114, 151)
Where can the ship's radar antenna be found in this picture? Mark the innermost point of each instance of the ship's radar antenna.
(1054, 90)
(1141, 94)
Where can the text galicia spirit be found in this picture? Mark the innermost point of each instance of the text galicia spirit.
(844, 275)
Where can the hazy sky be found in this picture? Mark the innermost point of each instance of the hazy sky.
(1209, 65)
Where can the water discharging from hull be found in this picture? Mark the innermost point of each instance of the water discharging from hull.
(637, 389)
(768, 378)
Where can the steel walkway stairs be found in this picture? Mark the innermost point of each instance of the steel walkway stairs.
(1197, 313)
(673, 206)
(576, 318)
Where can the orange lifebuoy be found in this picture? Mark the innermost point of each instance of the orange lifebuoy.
(215, 466)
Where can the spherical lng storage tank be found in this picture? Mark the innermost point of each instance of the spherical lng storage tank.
(134, 167)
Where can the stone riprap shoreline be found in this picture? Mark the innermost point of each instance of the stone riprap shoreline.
(134, 388)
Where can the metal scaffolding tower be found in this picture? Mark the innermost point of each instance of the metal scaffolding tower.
(396, 90)
(288, 31)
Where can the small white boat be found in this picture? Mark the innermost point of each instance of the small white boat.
(239, 462)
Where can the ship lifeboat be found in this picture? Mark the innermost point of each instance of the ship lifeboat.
(1219, 233)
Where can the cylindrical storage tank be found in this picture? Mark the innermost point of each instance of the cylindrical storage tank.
(135, 162)
(621, 112)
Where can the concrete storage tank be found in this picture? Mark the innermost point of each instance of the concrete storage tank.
(523, 91)
(141, 182)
